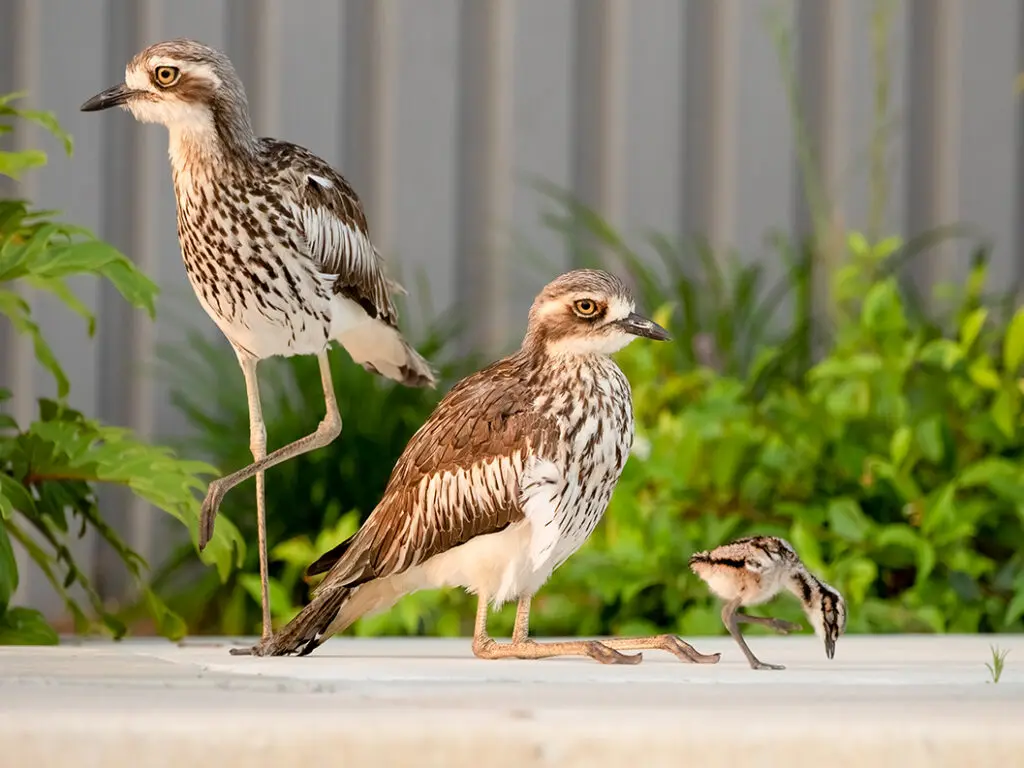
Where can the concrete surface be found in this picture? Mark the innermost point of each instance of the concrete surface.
(883, 701)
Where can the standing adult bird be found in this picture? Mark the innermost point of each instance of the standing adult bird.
(504, 481)
(275, 245)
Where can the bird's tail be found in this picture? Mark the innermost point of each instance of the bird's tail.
(307, 631)
(382, 349)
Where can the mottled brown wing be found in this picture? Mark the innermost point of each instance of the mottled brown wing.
(458, 477)
(336, 232)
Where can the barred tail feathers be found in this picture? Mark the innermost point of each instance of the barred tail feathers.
(307, 631)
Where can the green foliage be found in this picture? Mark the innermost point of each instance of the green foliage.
(49, 468)
(893, 464)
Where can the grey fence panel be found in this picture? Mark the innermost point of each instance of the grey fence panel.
(712, 53)
(654, 119)
(663, 115)
(542, 148)
(988, 132)
(933, 128)
(426, 204)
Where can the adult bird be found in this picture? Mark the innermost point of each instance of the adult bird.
(275, 243)
(506, 479)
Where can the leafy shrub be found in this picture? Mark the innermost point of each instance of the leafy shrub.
(49, 469)
(893, 464)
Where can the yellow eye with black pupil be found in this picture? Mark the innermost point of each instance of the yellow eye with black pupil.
(585, 307)
(166, 75)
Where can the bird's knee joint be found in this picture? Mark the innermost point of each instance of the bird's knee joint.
(330, 427)
(258, 442)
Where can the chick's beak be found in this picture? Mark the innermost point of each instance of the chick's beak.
(112, 97)
(830, 646)
(638, 325)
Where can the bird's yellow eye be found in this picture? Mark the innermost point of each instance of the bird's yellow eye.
(585, 307)
(166, 75)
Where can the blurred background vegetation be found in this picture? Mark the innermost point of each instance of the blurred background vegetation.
(880, 431)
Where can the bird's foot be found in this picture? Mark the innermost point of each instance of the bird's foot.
(671, 643)
(488, 648)
(784, 627)
(214, 496)
(265, 647)
(755, 664)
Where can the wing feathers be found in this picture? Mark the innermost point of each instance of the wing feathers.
(459, 477)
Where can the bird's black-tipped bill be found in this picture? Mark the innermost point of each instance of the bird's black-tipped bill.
(830, 647)
(638, 325)
(112, 97)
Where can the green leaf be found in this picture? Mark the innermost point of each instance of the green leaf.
(25, 626)
(983, 374)
(17, 495)
(1013, 343)
(169, 624)
(14, 164)
(930, 440)
(898, 535)
(971, 327)
(1016, 607)
(847, 520)
(883, 309)
(940, 510)
(8, 570)
(1006, 410)
(899, 445)
(941, 352)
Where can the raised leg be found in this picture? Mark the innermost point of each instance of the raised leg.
(781, 626)
(674, 645)
(521, 647)
(732, 621)
(327, 431)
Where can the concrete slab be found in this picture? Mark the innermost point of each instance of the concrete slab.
(883, 701)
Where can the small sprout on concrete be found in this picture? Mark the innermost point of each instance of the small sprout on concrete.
(998, 660)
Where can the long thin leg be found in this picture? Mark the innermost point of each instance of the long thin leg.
(732, 621)
(521, 630)
(327, 431)
(258, 446)
(671, 643)
(485, 647)
(781, 626)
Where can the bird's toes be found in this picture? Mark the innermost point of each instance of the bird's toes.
(602, 653)
(785, 627)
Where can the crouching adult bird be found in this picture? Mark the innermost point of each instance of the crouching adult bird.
(503, 482)
(276, 247)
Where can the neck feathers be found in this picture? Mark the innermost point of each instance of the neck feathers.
(215, 137)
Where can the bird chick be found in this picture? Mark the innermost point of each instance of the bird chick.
(753, 570)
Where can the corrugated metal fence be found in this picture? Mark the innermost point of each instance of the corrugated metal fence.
(663, 114)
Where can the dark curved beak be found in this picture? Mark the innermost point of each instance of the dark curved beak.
(638, 325)
(112, 97)
(830, 646)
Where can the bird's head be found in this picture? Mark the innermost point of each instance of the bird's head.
(827, 613)
(587, 312)
(185, 85)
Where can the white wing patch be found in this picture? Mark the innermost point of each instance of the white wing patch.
(540, 492)
(337, 247)
(320, 181)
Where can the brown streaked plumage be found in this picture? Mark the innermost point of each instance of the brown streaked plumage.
(275, 245)
(506, 479)
(753, 570)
